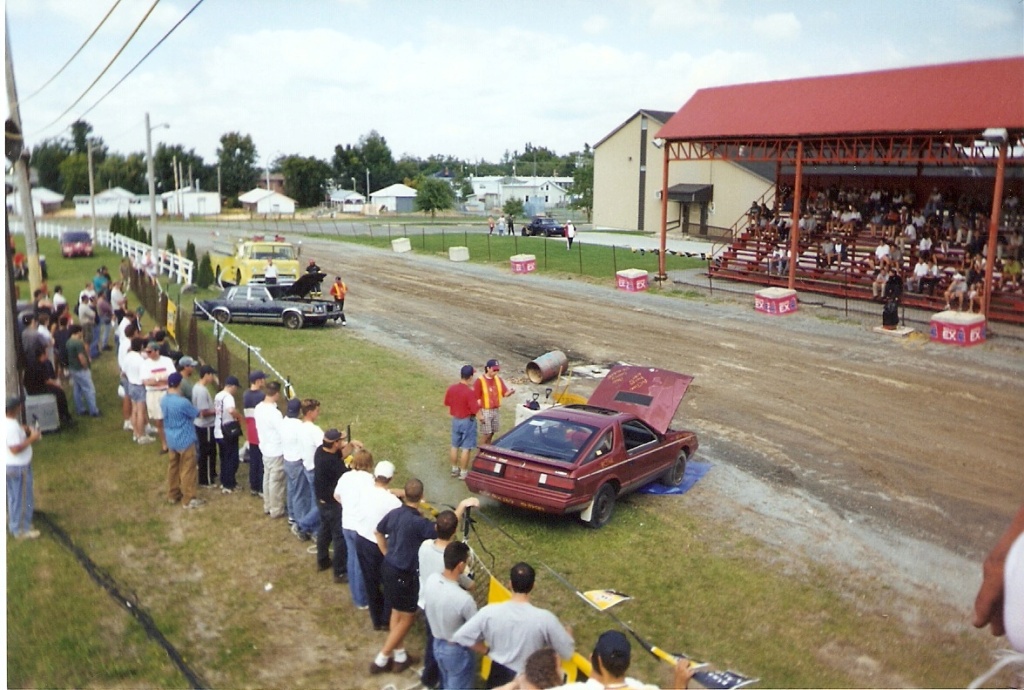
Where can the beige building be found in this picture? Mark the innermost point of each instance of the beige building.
(705, 197)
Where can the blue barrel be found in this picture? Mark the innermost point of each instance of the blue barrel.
(547, 366)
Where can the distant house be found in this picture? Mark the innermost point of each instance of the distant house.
(347, 201)
(261, 201)
(43, 201)
(396, 198)
(112, 202)
(276, 182)
(193, 202)
(537, 193)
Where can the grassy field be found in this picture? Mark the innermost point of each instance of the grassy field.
(699, 587)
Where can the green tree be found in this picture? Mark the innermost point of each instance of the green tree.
(46, 159)
(80, 131)
(190, 254)
(305, 179)
(376, 155)
(433, 195)
(582, 189)
(204, 276)
(169, 245)
(163, 163)
(118, 170)
(74, 172)
(237, 157)
(513, 207)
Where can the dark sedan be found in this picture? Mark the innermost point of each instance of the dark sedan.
(542, 225)
(271, 304)
(580, 458)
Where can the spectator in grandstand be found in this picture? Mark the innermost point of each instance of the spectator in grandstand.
(957, 289)
(510, 631)
(914, 282)
(1011, 274)
(924, 245)
(778, 262)
(880, 258)
(826, 252)
(879, 282)
(976, 296)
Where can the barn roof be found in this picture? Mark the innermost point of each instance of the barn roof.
(961, 97)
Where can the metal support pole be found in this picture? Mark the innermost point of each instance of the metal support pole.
(993, 226)
(794, 232)
(151, 173)
(92, 191)
(664, 212)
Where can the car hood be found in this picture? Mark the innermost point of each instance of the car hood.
(653, 395)
(305, 284)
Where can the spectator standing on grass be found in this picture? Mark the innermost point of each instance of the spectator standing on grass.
(570, 234)
(328, 469)
(351, 486)
(338, 292)
(268, 420)
(311, 438)
(206, 446)
(79, 367)
(372, 505)
(511, 226)
(448, 606)
(464, 407)
(186, 365)
(20, 492)
(156, 370)
(104, 319)
(250, 399)
(298, 492)
(490, 389)
(431, 562)
(60, 302)
(490, 225)
(135, 389)
(179, 425)
(224, 412)
(501, 226)
(510, 631)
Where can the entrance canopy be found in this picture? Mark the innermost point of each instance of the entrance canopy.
(691, 193)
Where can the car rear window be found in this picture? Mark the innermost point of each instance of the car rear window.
(76, 237)
(555, 439)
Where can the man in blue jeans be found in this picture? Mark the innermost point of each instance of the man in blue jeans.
(84, 392)
(447, 606)
(20, 499)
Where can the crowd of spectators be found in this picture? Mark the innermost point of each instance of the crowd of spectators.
(927, 242)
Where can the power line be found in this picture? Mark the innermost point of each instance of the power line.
(143, 59)
(109, 64)
(80, 49)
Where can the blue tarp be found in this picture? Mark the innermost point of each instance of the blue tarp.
(694, 471)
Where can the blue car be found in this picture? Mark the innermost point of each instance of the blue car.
(288, 305)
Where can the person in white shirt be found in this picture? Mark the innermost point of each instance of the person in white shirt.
(225, 411)
(353, 485)
(372, 505)
(310, 438)
(297, 490)
(268, 427)
(920, 271)
(206, 448)
(270, 273)
(155, 369)
(20, 492)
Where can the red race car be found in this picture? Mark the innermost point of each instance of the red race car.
(580, 458)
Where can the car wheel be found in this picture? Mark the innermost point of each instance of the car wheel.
(674, 476)
(292, 321)
(604, 504)
(222, 315)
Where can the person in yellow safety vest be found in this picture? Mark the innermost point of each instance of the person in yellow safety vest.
(338, 292)
(491, 389)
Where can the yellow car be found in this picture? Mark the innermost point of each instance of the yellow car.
(248, 260)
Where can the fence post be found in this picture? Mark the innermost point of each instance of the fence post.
(488, 249)
(545, 241)
(615, 263)
(580, 245)
(444, 244)
(423, 236)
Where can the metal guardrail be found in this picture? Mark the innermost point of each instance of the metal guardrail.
(177, 268)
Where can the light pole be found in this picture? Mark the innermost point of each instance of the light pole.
(354, 185)
(151, 173)
(367, 185)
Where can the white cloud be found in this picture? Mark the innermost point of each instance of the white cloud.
(686, 14)
(781, 26)
(595, 24)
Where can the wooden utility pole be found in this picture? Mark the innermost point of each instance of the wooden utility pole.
(92, 190)
(21, 174)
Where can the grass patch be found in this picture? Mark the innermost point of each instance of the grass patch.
(699, 587)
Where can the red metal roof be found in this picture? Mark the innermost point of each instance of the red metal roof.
(961, 97)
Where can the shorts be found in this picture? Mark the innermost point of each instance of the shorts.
(153, 399)
(464, 433)
(137, 392)
(401, 588)
(489, 423)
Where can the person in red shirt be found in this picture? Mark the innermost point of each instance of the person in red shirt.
(464, 406)
(490, 389)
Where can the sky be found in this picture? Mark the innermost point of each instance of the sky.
(472, 79)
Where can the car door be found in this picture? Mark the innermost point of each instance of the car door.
(261, 305)
(648, 456)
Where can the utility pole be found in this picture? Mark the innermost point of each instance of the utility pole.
(21, 173)
(92, 190)
(151, 171)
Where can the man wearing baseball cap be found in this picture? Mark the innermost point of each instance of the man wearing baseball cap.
(464, 406)
(156, 369)
(206, 450)
(490, 389)
(372, 504)
(225, 411)
(186, 365)
(179, 428)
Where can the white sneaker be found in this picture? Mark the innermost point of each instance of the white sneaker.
(150, 429)
(463, 474)
(194, 503)
(143, 440)
(127, 426)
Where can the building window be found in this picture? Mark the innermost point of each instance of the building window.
(527, 197)
(545, 199)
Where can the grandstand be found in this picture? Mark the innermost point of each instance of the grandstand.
(868, 155)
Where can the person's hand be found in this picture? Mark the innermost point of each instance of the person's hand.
(471, 502)
(988, 605)
(683, 673)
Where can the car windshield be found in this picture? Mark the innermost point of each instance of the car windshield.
(270, 251)
(556, 439)
(76, 237)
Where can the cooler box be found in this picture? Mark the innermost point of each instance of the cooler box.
(631, 280)
(402, 244)
(523, 263)
(775, 301)
(957, 328)
(42, 408)
(458, 253)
